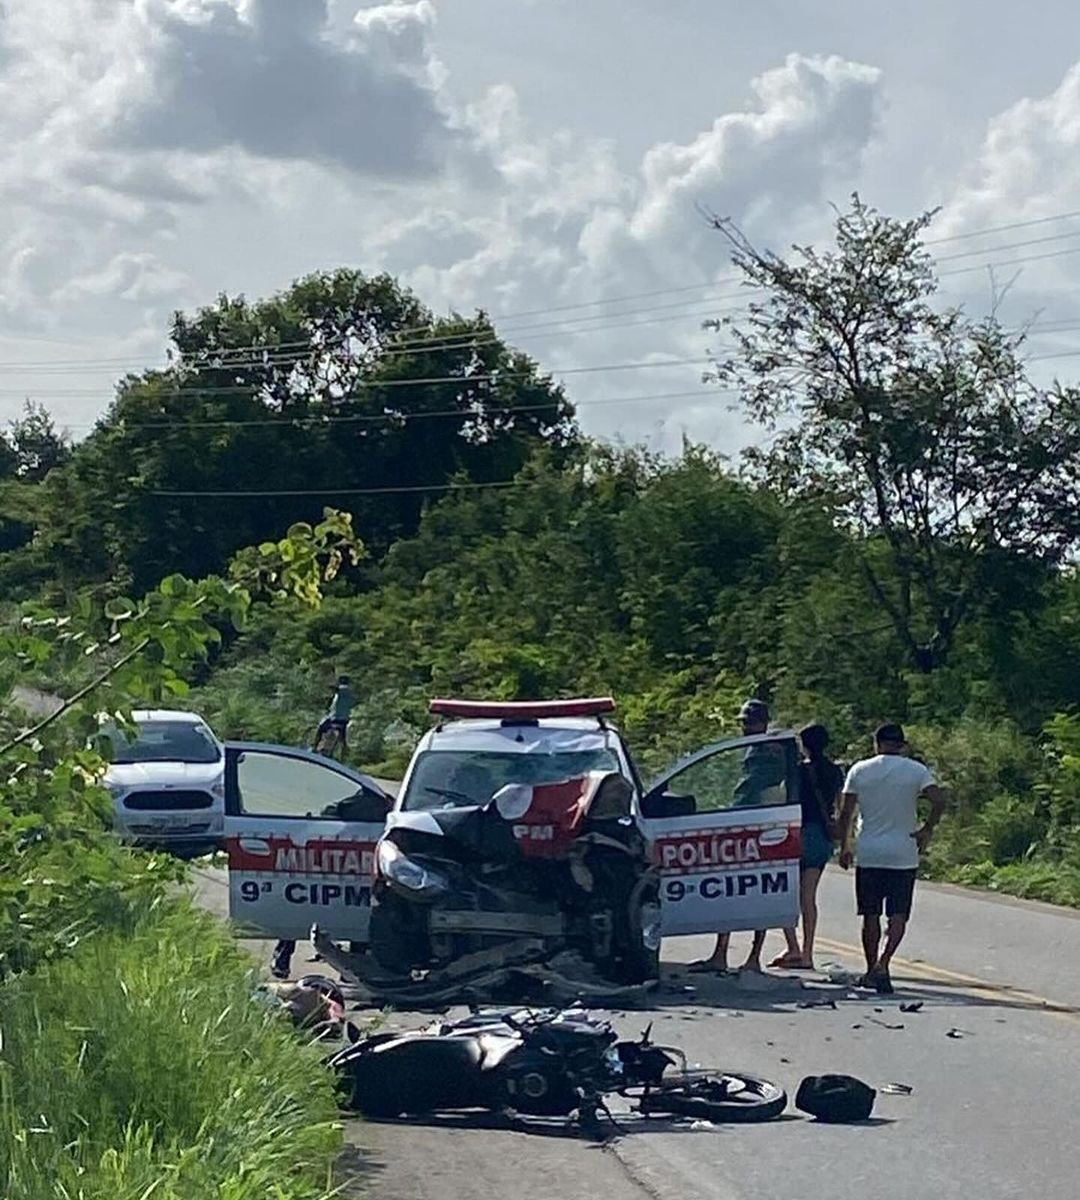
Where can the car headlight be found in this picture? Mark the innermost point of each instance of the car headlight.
(217, 790)
(392, 864)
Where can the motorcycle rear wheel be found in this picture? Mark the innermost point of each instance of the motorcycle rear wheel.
(730, 1097)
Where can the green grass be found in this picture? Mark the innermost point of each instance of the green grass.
(141, 1067)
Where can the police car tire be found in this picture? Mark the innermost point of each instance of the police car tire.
(639, 963)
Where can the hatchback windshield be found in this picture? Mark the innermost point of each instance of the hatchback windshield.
(460, 778)
(165, 741)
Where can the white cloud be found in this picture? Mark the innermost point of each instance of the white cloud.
(272, 78)
(159, 151)
(132, 277)
(1026, 170)
(121, 117)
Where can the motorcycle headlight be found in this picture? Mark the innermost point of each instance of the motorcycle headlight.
(400, 869)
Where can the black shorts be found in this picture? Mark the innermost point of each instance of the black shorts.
(884, 887)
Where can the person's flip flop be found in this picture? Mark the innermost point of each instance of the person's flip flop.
(786, 962)
(704, 967)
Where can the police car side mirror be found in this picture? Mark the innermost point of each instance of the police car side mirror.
(660, 804)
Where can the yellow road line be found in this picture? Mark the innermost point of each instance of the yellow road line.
(972, 983)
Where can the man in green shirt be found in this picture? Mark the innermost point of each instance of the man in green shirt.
(337, 719)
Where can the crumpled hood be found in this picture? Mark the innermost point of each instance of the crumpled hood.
(161, 774)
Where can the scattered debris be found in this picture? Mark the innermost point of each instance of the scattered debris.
(914, 1007)
(761, 981)
(564, 979)
(856, 1027)
(897, 1089)
(822, 1002)
(701, 1126)
(957, 1033)
(883, 1024)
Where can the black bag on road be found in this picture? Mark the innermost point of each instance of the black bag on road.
(837, 1098)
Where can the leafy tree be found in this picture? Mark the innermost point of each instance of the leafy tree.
(917, 425)
(342, 382)
(33, 447)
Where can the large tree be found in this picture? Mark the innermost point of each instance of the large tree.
(919, 425)
(342, 382)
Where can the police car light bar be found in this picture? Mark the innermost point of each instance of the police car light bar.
(528, 710)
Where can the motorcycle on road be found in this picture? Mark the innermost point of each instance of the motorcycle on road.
(550, 1063)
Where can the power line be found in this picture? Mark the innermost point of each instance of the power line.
(961, 237)
(255, 347)
(367, 384)
(404, 417)
(1012, 262)
(334, 491)
(1054, 237)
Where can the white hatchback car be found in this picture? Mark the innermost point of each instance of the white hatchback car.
(168, 782)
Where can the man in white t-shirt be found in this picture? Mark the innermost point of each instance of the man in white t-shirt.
(886, 790)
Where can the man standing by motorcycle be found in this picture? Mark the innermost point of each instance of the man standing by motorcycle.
(764, 767)
(337, 719)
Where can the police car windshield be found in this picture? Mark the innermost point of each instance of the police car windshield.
(464, 778)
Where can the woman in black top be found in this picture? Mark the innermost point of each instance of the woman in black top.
(820, 784)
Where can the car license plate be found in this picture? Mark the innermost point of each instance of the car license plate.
(170, 822)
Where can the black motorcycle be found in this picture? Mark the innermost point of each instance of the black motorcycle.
(548, 1064)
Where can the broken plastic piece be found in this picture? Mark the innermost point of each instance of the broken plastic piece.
(883, 1024)
(914, 1007)
(897, 1089)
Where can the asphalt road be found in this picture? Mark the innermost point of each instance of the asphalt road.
(990, 1115)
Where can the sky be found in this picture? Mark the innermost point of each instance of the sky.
(546, 160)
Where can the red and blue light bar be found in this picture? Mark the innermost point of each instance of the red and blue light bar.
(523, 710)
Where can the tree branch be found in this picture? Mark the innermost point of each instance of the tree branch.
(78, 697)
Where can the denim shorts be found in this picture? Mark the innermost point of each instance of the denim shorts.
(817, 849)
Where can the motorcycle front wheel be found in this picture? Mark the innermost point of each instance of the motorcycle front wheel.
(720, 1096)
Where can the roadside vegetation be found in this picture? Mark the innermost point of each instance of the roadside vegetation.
(135, 1058)
(900, 544)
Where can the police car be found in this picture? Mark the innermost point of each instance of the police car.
(723, 823)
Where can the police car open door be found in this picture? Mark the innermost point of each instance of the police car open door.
(300, 833)
(725, 828)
